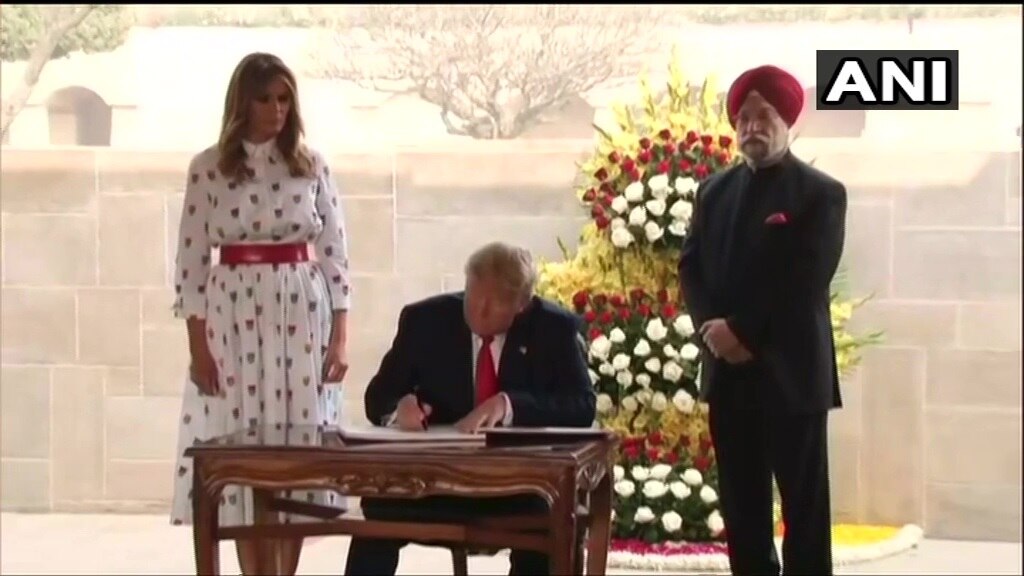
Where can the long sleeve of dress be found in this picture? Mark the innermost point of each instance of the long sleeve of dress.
(192, 263)
(331, 245)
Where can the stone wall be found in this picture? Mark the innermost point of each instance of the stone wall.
(93, 362)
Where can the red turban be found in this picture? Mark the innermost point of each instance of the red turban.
(775, 85)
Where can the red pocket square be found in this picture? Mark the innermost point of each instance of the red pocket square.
(776, 218)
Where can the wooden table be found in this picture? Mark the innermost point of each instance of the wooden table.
(572, 474)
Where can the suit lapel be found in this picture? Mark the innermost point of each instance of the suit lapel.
(466, 380)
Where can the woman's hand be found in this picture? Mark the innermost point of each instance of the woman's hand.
(336, 362)
(203, 371)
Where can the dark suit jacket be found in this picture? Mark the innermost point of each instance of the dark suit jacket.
(771, 281)
(542, 368)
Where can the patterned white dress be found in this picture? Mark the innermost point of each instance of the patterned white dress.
(268, 326)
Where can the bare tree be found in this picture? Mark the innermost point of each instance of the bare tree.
(41, 33)
(493, 70)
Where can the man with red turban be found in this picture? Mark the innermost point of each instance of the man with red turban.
(764, 242)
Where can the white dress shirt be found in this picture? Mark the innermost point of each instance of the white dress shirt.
(497, 345)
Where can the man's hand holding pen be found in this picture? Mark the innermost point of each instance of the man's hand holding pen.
(412, 413)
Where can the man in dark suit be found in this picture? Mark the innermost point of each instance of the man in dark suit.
(493, 355)
(764, 242)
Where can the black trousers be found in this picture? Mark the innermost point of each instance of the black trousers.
(751, 442)
(377, 557)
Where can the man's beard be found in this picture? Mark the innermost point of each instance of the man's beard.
(755, 148)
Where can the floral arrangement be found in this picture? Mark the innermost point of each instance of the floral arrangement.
(638, 187)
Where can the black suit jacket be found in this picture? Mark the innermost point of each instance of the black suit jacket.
(771, 281)
(542, 368)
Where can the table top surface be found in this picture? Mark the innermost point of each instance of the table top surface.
(329, 442)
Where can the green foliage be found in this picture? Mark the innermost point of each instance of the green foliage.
(23, 25)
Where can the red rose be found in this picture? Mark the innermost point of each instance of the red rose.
(708, 151)
(590, 316)
(683, 147)
(644, 156)
(662, 295)
(705, 444)
(602, 222)
(685, 166)
(614, 157)
(664, 166)
(671, 457)
(669, 311)
(645, 143)
(701, 171)
(615, 300)
(706, 139)
(606, 188)
(628, 165)
(634, 175)
(644, 310)
(596, 210)
(579, 299)
(594, 333)
(722, 157)
(589, 195)
(637, 294)
(654, 438)
(724, 141)
(601, 174)
(624, 313)
(631, 451)
(606, 200)
(691, 137)
(701, 463)
(654, 454)
(668, 149)
(607, 317)
(600, 300)
(665, 134)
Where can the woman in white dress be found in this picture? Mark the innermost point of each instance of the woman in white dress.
(266, 323)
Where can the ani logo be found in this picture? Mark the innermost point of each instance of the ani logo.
(887, 80)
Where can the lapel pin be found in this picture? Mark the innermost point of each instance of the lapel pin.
(522, 349)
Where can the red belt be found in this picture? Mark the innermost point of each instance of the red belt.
(234, 254)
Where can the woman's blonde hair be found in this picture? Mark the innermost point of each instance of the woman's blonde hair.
(511, 266)
(249, 81)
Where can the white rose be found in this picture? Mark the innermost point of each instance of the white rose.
(659, 402)
(655, 330)
(643, 379)
(681, 210)
(617, 336)
(634, 192)
(669, 351)
(624, 378)
(653, 365)
(642, 348)
(620, 362)
(654, 489)
(594, 377)
(643, 396)
(708, 495)
(653, 231)
(671, 521)
(660, 471)
(643, 515)
(625, 488)
(715, 523)
(604, 403)
(659, 183)
(618, 223)
(629, 404)
(685, 185)
(677, 227)
(622, 237)
(639, 473)
(655, 207)
(692, 477)
(683, 325)
(679, 490)
(683, 401)
(620, 204)
(672, 371)
(619, 472)
(606, 369)
(637, 216)
(689, 352)
(600, 347)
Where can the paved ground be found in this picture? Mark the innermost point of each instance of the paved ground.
(118, 544)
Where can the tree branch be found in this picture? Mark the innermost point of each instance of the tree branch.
(41, 54)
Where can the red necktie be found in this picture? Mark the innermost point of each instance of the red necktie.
(486, 375)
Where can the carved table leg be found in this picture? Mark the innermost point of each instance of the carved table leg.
(563, 531)
(204, 525)
(600, 526)
(278, 556)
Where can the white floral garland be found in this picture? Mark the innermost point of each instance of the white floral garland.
(908, 537)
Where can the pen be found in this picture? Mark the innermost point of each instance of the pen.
(419, 403)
